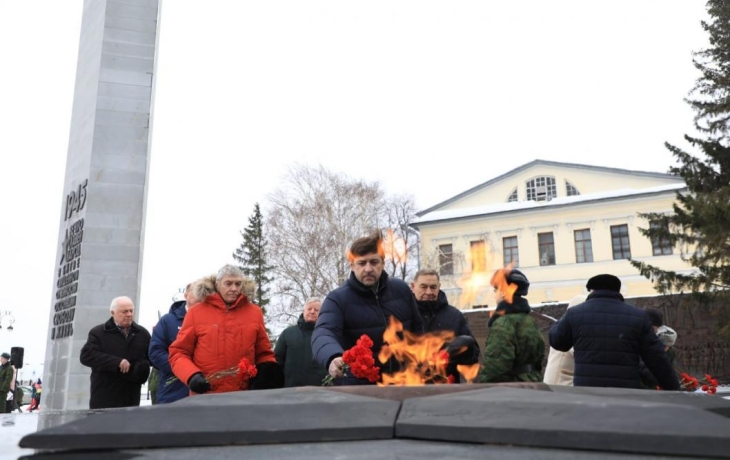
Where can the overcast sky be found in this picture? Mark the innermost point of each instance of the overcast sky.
(428, 98)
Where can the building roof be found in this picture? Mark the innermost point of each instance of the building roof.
(546, 163)
(516, 206)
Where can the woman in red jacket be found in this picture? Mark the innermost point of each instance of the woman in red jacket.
(221, 330)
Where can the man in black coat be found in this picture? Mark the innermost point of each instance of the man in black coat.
(363, 305)
(293, 349)
(116, 352)
(438, 315)
(609, 337)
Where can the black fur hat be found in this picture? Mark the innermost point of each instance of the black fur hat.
(519, 278)
(604, 282)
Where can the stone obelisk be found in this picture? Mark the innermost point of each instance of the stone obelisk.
(101, 229)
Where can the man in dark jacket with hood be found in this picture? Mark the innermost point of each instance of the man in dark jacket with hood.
(438, 315)
(609, 337)
(363, 305)
(169, 388)
(116, 352)
(515, 348)
(293, 349)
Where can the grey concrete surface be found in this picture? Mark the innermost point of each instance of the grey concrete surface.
(247, 417)
(393, 449)
(703, 401)
(479, 421)
(560, 420)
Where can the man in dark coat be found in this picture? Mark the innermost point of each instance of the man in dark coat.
(293, 349)
(609, 337)
(169, 387)
(363, 305)
(116, 352)
(438, 315)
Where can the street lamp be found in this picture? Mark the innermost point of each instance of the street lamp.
(8, 318)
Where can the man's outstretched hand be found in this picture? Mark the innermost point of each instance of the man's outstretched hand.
(336, 365)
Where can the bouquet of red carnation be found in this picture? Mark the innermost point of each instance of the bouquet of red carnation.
(359, 362)
(233, 379)
(708, 385)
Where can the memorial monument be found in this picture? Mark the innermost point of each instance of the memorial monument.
(101, 231)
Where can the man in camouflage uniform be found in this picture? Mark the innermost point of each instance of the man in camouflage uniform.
(6, 378)
(515, 348)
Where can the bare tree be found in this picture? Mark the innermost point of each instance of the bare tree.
(448, 264)
(313, 216)
(402, 243)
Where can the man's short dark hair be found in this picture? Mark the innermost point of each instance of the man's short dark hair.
(367, 245)
(656, 317)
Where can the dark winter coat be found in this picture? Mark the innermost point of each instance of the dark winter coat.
(354, 309)
(104, 350)
(515, 348)
(293, 352)
(170, 388)
(438, 315)
(609, 337)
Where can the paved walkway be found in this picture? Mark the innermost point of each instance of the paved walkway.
(12, 428)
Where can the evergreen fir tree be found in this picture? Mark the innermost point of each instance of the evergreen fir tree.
(251, 256)
(700, 223)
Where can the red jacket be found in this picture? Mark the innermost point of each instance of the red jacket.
(214, 338)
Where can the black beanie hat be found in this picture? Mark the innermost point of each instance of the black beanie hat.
(518, 278)
(604, 282)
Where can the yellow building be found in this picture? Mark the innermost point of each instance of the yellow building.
(560, 223)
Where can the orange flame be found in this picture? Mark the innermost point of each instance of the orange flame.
(471, 286)
(500, 283)
(394, 247)
(422, 357)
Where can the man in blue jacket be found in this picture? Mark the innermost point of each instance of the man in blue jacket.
(609, 337)
(363, 305)
(170, 388)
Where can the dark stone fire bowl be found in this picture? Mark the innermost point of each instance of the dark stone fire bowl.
(516, 420)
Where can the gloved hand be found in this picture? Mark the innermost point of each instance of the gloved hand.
(461, 349)
(198, 384)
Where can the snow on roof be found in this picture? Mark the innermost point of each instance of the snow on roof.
(495, 208)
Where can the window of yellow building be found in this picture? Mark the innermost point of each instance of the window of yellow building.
(583, 246)
(478, 250)
(541, 189)
(546, 248)
(510, 251)
(446, 259)
(660, 246)
(620, 242)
